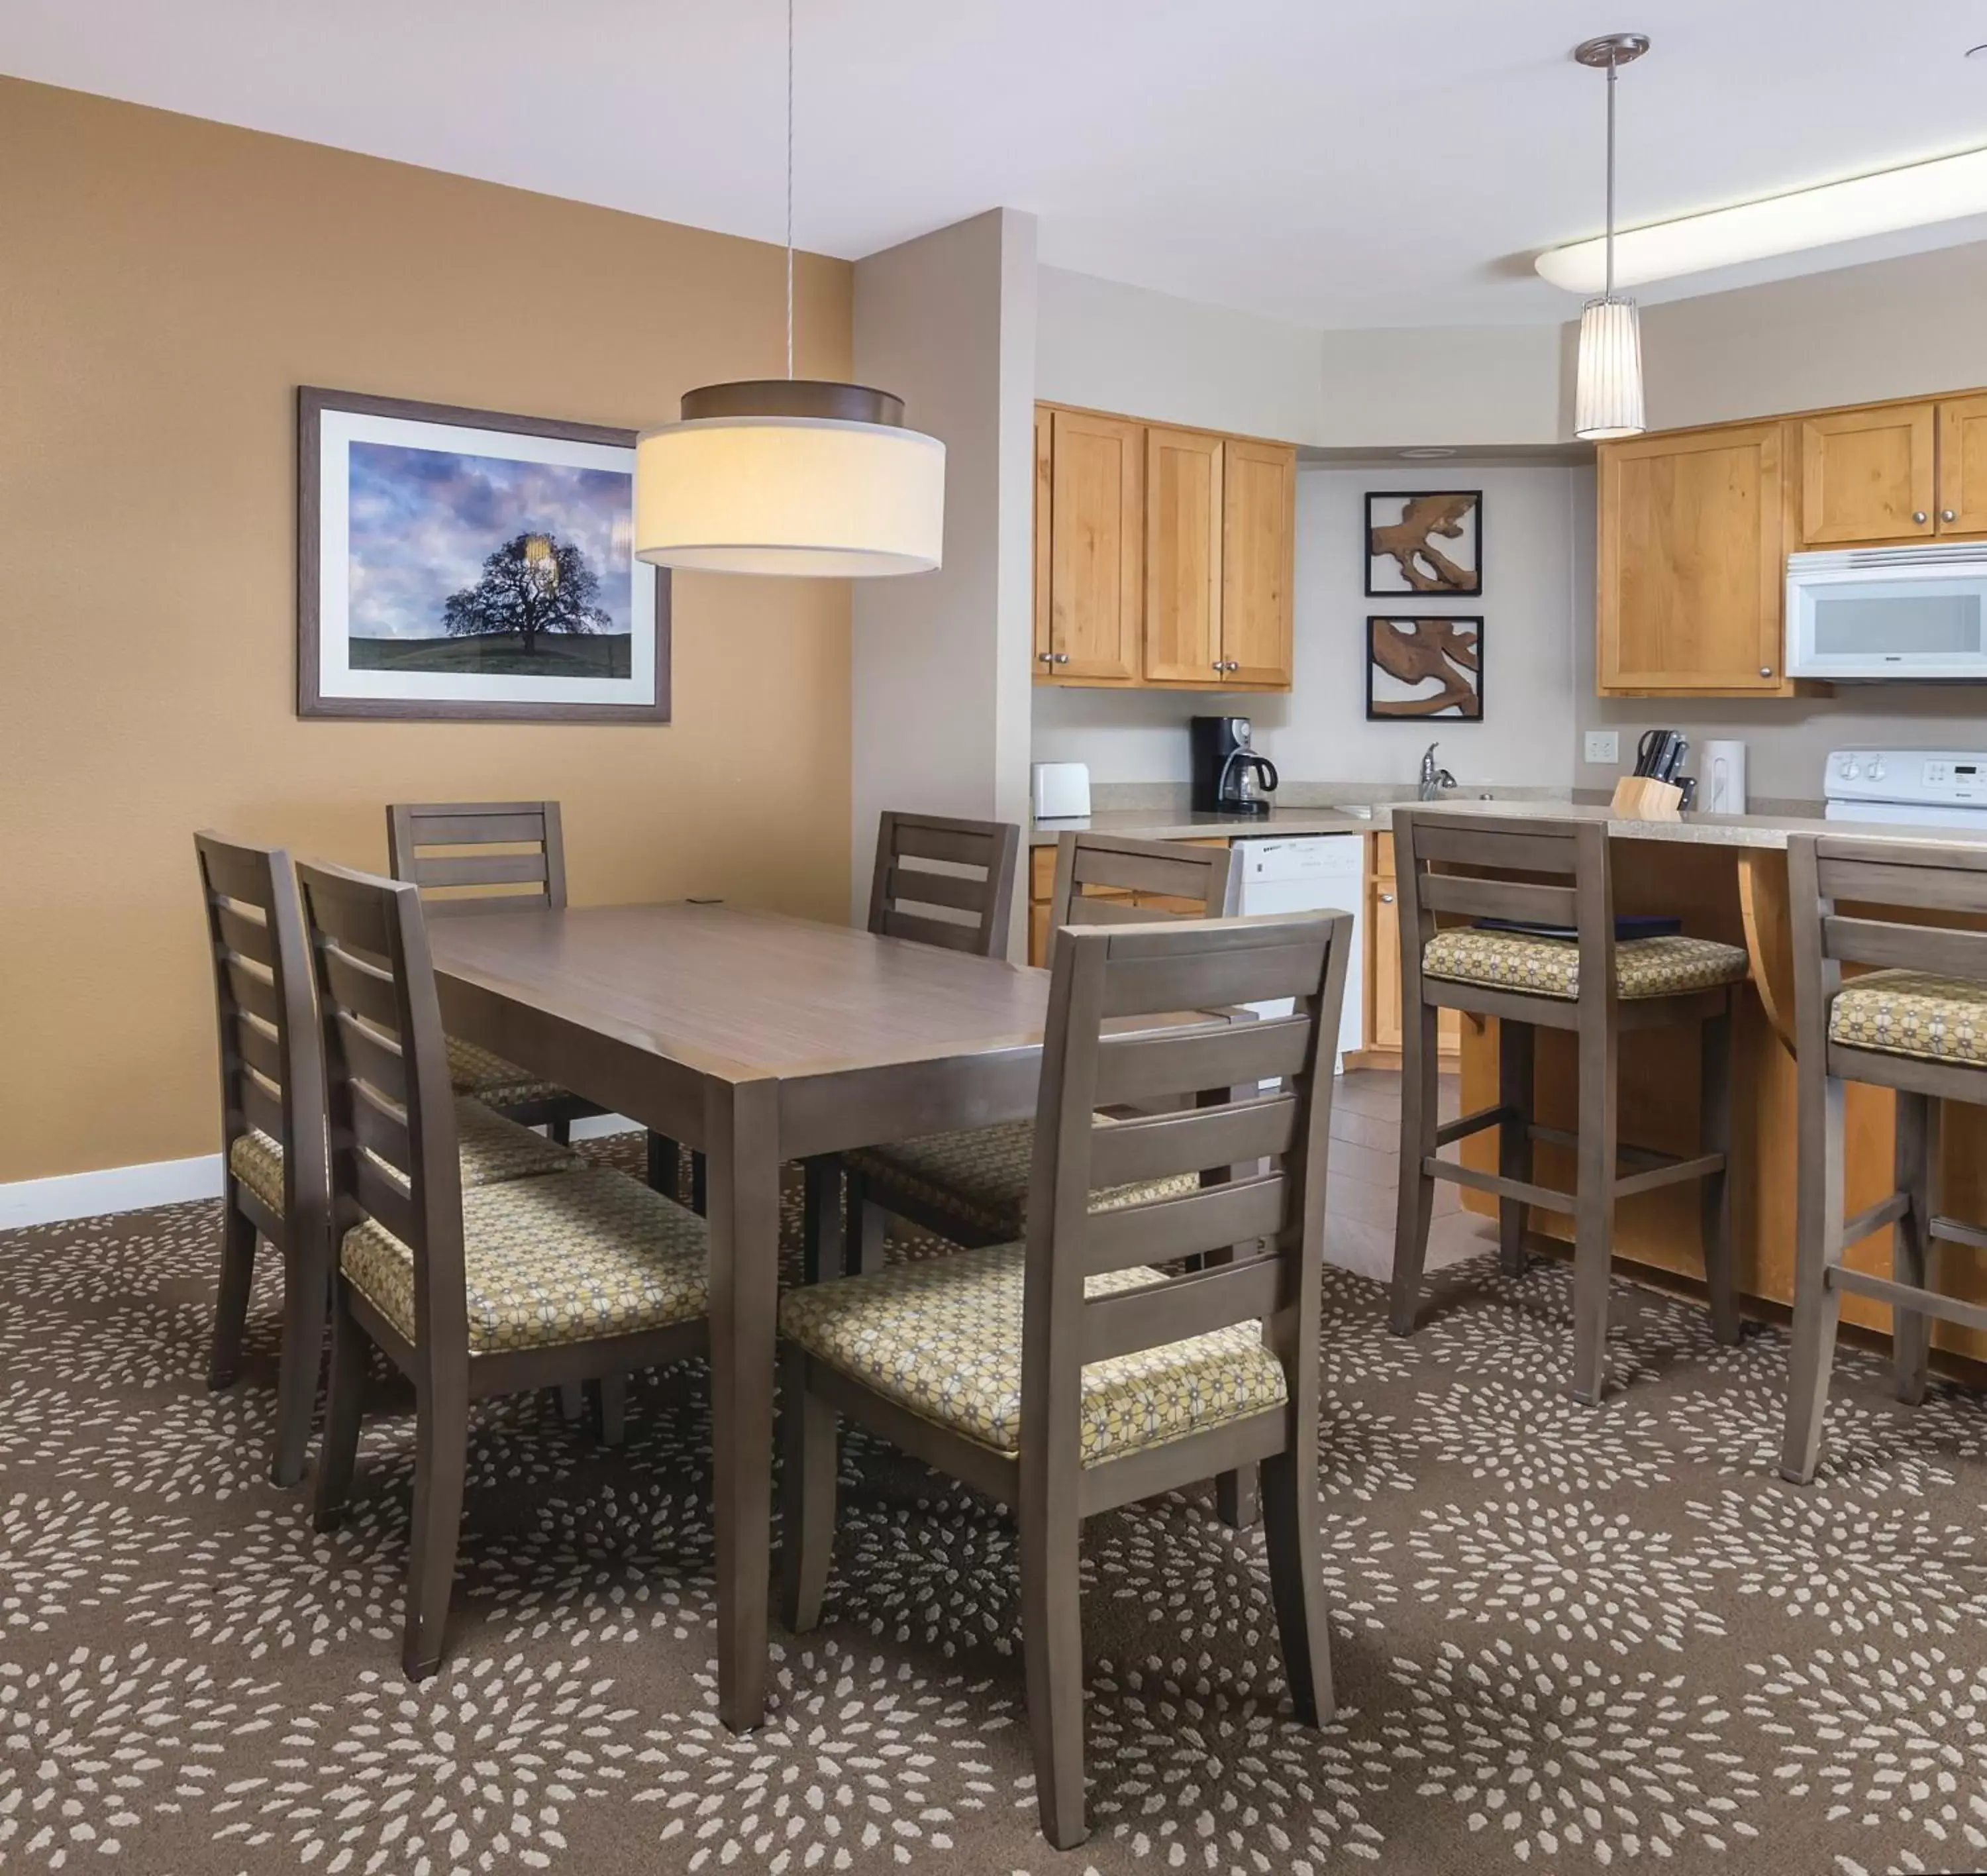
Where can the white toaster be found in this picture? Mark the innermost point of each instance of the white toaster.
(1062, 790)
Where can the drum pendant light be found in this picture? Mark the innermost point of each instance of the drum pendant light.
(1607, 390)
(790, 475)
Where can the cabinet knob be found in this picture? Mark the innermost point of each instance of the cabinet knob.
(1765, 671)
(1919, 516)
(1219, 666)
(1386, 899)
(1062, 657)
(1946, 514)
(1047, 657)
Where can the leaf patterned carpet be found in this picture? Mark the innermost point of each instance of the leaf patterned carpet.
(1563, 1639)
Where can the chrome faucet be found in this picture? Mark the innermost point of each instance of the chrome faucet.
(1434, 780)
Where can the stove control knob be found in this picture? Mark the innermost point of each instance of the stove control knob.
(1876, 771)
(1849, 771)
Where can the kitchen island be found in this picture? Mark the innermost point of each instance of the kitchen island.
(1725, 876)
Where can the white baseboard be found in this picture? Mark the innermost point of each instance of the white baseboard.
(115, 1189)
(164, 1182)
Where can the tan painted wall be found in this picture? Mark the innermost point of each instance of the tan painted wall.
(167, 284)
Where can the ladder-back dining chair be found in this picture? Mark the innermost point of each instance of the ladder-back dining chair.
(1077, 1373)
(569, 1277)
(1553, 873)
(1916, 1023)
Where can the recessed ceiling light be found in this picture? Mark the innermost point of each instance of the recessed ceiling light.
(1422, 452)
(1915, 196)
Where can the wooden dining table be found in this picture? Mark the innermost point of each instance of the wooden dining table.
(758, 1039)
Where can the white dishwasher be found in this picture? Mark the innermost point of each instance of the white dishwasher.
(1312, 872)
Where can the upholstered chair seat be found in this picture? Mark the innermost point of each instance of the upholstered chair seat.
(473, 1070)
(979, 1178)
(1913, 1013)
(1551, 967)
(942, 1337)
(564, 1259)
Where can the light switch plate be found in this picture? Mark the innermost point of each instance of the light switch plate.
(1603, 746)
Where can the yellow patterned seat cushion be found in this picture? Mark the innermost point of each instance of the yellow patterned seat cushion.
(548, 1261)
(1910, 1013)
(942, 1337)
(981, 1177)
(474, 1069)
(491, 1148)
(1551, 967)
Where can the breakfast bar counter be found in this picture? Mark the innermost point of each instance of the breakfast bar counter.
(1725, 876)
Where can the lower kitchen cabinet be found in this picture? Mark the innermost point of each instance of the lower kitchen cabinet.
(1383, 967)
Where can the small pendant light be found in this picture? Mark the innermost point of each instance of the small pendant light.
(1607, 392)
(790, 475)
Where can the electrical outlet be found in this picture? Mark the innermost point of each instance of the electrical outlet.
(1603, 746)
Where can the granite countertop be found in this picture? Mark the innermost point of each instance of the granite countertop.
(1707, 830)
(1147, 823)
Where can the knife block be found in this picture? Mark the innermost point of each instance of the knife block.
(1642, 797)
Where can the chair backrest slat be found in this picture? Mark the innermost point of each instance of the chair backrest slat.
(417, 833)
(1269, 1226)
(1113, 879)
(1491, 841)
(1499, 898)
(1945, 953)
(392, 1113)
(272, 1067)
(916, 902)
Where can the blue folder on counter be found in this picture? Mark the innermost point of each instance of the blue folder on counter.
(1627, 925)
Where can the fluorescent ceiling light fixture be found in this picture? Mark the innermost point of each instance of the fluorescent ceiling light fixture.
(1915, 196)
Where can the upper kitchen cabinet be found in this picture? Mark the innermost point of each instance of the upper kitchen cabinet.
(1162, 555)
(1096, 556)
(1962, 465)
(1868, 475)
(1183, 548)
(1259, 532)
(1691, 563)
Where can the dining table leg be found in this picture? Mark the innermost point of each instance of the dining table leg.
(742, 1141)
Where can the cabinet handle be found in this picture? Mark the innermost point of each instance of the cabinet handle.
(1765, 671)
(1946, 514)
(1919, 516)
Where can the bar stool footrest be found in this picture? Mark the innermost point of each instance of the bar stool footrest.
(1903, 1296)
(1884, 1212)
(1450, 1132)
(1958, 1231)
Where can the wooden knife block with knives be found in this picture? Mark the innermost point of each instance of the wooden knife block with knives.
(1651, 794)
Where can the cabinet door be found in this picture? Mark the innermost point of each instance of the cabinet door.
(1383, 920)
(1962, 466)
(1182, 557)
(1045, 499)
(1691, 562)
(1867, 475)
(1096, 546)
(1259, 529)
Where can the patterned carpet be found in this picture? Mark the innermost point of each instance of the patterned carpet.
(1561, 1638)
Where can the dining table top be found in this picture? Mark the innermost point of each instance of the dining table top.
(740, 994)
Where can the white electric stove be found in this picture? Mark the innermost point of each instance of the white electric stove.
(1927, 788)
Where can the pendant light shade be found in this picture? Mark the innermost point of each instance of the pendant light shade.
(1607, 392)
(791, 476)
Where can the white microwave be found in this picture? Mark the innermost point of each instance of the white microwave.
(1870, 612)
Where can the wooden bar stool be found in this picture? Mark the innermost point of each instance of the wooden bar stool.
(1554, 875)
(1917, 1025)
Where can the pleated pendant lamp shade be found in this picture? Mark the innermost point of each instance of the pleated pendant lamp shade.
(1607, 392)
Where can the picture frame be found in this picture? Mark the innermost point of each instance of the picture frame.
(1447, 652)
(1424, 543)
(468, 566)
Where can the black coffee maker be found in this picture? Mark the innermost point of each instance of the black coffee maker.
(1229, 777)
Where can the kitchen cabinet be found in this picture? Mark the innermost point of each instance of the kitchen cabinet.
(1163, 556)
(1691, 563)
(1962, 465)
(1096, 550)
(1868, 475)
(1383, 967)
(1183, 544)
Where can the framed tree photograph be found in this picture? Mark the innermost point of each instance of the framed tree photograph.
(1417, 668)
(1425, 541)
(467, 563)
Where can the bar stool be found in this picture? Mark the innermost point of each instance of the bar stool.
(1918, 1026)
(1553, 876)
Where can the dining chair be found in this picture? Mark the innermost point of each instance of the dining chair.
(1553, 873)
(470, 1293)
(1917, 1025)
(972, 1187)
(937, 880)
(276, 1183)
(1082, 1369)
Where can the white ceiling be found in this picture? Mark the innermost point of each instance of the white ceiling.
(1386, 162)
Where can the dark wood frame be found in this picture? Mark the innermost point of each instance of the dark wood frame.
(1414, 494)
(389, 1104)
(1941, 881)
(313, 402)
(272, 1077)
(1555, 872)
(1254, 1247)
(1376, 619)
